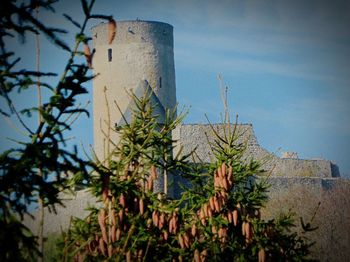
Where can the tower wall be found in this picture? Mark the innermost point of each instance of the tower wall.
(141, 52)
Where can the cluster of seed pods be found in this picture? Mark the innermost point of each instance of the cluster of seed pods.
(113, 224)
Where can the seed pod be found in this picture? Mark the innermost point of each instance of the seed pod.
(205, 210)
(211, 203)
(118, 234)
(214, 230)
(262, 255)
(229, 217)
(161, 221)
(102, 246)
(142, 206)
(149, 223)
(121, 215)
(223, 169)
(216, 204)
(243, 228)
(165, 235)
(210, 213)
(113, 233)
(122, 200)
(128, 256)
(225, 184)
(181, 241)
(235, 217)
(113, 218)
(220, 172)
(102, 223)
(139, 254)
(194, 230)
(155, 218)
(197, 256)
(110, 251)
(87, 54)
(186, 239)
(150, 184)
(112, 28)
(248, 232)
(171, 227)
(153, 172)
(230, 173)
(203, 255)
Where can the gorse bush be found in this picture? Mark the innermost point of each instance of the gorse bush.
(217, 217)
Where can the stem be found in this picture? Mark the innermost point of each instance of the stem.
(40, 173)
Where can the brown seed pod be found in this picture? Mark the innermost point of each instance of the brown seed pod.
(230, 174)
(121, 216)
(112, 28)
(216, 204)
(102, 246)
(155, 218)
(223, 169)
(139, 254)
(122, 200)
(150, 184)
(262, 255)
(211, 203)
(118, 234)
(235, 217)
(110, 251)
(248, 231)
(87, 54)
(102, 223)
(229, 217)
(243, 228)
(128, 256)
(196, 256)
(165, 235)
(181, 241)
(220, 172)
(210, 213)
(225, 184)
(186, 239)
(194, 230)
(142, 206)
(113, 233)
(113, 218)
(153, 172)
(204, 255)
(214, 230)
(161, 220)
(149, 223)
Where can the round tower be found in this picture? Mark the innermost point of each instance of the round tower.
(140, 54)
(140, 57)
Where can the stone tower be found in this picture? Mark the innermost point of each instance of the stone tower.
(141, 57)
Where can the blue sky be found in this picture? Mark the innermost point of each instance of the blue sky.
(286, 64)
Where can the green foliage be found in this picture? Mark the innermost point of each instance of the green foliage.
(39, 166)
(217, 217)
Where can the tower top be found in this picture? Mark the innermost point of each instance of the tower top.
(135, 31)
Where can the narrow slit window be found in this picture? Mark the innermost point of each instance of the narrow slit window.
(109, 54)
(160, 82)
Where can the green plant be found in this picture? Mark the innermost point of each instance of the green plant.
(217, 217)
(38, 168)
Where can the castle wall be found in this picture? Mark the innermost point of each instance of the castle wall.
(192, 136)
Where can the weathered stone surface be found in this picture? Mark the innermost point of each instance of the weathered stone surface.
(191, 136)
